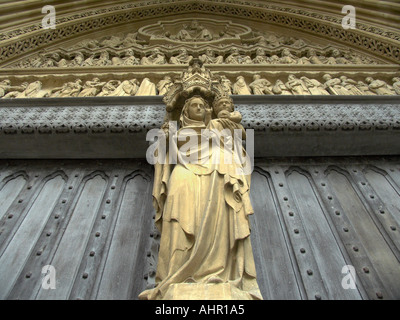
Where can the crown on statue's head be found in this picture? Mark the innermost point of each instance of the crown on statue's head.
(222, 95)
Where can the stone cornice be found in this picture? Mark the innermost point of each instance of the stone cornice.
(104, 127)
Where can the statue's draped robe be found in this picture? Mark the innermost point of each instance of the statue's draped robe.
(202, 212)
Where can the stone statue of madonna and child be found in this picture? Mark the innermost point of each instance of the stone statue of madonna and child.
(202, 209)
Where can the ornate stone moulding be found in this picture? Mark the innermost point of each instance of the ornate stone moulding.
(273, 114)
(104, 127)
(200, 31)
(367, 37)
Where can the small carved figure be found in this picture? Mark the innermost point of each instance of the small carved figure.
(380, 87)
(287, 57)
(396, 85)
(17, 93)
(184, 34)
(363, 87)
(129, 59)
(260, 85)
(297, 86)
(109, 88)
(103, 60)
(260, 57)
(280, 88)
(236, 58)
(69, 89)
(112, 41)
(334, 85)
(204, 34)
(314, 86)
(336, 58)
(240, 87)
(78, 60)
(31, 90)
(351, 86)
(126, 88)
(91, 88)
(156, 57)
(147, 88)
(6, 87)
(226, 85)
(182, 58)
(164, 84)
(209, 57)
(311, 58)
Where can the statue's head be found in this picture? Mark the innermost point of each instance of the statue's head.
(369, 79)
(260, 52)
(195, 108)
(223, 103)
(327, 77)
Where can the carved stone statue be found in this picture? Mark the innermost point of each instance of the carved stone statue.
(350, 85)
(396, 85)
(78, 60)
(164, 84)
(31, 90)
(336, 58)
(147, 88)
(287, 57)
(182, 58)
(363, 87)
(260, 85)
(260, 57)
(91, 88)
(311, 58)
(156, 57)
(6, 87)
(210, 57)
(297, 86)
(126, 88)
(240, 86)
(129, 59)
(226, 85)
(334, 85)
(69, 89)
(280, 88)
(184, 34)
(380, 87)
(314, 86)
(109, 88)
(236, 58)
(202, 211)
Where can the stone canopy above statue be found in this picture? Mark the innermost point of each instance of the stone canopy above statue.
(198, 30)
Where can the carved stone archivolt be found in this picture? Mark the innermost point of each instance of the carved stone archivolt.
(366, 36)
(177, 41)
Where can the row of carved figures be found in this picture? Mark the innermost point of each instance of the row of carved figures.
(157, 57)
(258, 86)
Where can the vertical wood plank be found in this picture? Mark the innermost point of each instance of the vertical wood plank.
(13, 259)
(275, 274)
(69, 252)
(324, 246)
(384, 262)
(126, 256)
